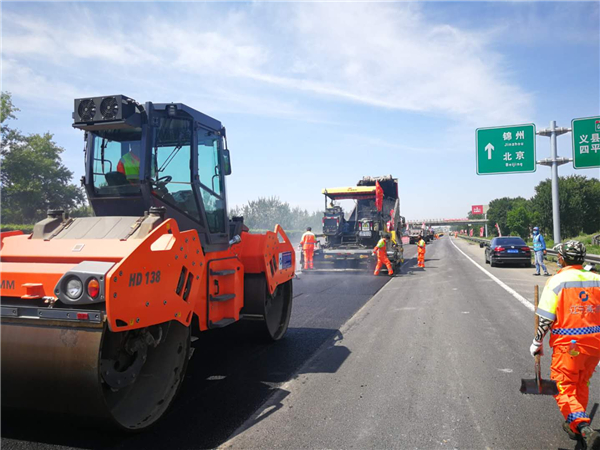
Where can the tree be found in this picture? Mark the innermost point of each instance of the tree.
(518, 221)
(266, 212)
(498, 212)
(579, 199)
(33, 178)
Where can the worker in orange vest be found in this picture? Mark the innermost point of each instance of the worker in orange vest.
(421, 252)
(570, 308)
(307, 244)
(381, 251)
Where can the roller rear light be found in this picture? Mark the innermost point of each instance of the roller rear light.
(93, 288)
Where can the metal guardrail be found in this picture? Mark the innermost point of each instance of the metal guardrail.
(593, 259)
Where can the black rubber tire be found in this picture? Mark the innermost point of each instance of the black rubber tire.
(275, 309)
(492, 262)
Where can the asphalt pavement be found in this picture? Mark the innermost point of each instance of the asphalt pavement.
(435, 360)
(432, 358)
(229, 376)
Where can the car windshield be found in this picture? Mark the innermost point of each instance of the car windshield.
(116, 161)
(509, 241)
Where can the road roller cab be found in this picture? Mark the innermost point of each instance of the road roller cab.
(97, 312)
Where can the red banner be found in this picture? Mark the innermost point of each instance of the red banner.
(481, 231)
(471, 232)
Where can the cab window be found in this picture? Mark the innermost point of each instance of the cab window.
(116, 161)
(211, 180)
(171, 159)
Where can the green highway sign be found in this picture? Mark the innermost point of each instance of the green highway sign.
(586, 142)
(509, 149)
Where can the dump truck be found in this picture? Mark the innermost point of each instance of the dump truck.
(98, 313)
(347, 241)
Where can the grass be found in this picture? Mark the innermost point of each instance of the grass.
(25, 228)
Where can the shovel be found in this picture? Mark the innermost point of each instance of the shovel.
(538, 386)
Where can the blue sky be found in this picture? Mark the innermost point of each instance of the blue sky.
(317, 95)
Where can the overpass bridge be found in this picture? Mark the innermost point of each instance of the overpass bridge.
(444, 222)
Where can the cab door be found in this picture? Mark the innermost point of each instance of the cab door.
(210, 183)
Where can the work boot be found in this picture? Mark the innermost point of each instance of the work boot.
(536, 274)
(546, 274)
(567, 428)
(591, 438)
(375, 273)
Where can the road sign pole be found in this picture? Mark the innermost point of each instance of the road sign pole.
(486, 231)
(554, 161)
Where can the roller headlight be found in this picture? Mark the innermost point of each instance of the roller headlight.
(74, 288)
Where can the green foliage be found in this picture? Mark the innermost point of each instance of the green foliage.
(82, 211)
(266, 212)
(498, 213)
(33, 178)
(518, 221)
(579, 199)
(25, 228)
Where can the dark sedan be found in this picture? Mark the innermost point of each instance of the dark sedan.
(511, 250)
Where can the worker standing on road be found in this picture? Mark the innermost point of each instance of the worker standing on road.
(421, 252)
(570, 308)
(381, 251)
(539, 248)
(307, 244)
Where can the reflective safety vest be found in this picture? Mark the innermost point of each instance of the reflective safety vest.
(538, 243)
(129, 165)
(308, 240)
(571, 299)
(381, 247)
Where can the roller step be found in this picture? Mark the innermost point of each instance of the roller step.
(221, 273)
(222, 323)
(221, 298)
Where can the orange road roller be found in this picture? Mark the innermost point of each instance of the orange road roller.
(98, 312)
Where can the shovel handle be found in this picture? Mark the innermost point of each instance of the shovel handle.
(538, 357)
(536, 300)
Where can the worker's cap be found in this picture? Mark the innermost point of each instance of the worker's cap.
(571, 250)
(536, 228)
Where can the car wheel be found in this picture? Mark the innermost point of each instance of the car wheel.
(492, 262)
(487, 261)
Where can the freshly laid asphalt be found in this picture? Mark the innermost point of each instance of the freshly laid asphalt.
(434, 361)
(432, 358)
(228, 377)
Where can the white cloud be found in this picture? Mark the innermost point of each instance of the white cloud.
(383, 55)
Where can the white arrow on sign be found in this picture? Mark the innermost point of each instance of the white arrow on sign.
(489, 148)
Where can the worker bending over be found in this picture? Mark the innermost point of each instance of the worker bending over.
(421, 252)
(381, 251)
(307, 244)
(570, 308)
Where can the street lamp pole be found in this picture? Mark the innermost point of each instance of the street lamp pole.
(554, 161)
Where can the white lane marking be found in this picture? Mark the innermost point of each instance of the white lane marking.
(506, 287)
(506, 370)
(466, 312)
(514, 293)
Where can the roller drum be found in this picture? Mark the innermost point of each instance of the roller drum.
(61, 369)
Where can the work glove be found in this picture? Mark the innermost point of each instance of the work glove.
(536, 347)
(545, 252)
